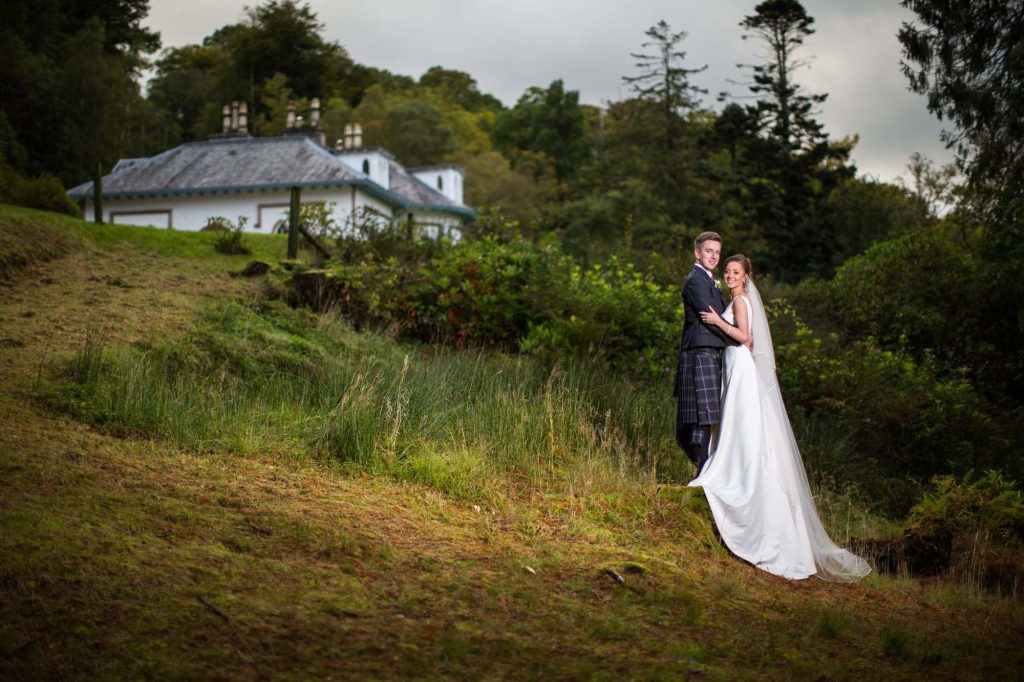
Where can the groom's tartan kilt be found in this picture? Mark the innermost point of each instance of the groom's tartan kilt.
(698, 386)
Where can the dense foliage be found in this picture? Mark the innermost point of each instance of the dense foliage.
(883, 413)
(44, 192)
(504, 292)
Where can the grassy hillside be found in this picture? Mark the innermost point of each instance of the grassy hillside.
(196, 481)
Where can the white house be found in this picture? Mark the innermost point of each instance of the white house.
(233, 175)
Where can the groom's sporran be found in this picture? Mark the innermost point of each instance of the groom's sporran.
(698, 381)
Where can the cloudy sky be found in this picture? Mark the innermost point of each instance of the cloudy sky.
(509, 46)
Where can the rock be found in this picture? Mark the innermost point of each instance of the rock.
(631, 568)
(614, 575)
(618, 571)
(255, 268)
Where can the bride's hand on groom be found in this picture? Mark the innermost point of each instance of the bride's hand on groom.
(712, 317)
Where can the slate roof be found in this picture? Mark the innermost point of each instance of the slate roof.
(247, 164)
(418, 192)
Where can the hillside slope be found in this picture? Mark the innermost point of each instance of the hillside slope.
(122, 555)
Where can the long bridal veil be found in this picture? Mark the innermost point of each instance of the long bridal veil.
(781, 457)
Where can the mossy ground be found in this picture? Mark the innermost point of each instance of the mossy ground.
(124, 557)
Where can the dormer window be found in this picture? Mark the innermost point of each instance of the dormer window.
(440, 182)
(366, 166)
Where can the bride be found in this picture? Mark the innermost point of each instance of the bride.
(754, 479)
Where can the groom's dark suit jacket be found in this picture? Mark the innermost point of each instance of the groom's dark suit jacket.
(699, 293)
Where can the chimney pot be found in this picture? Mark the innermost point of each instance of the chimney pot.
(227, 118)
(314, 112)
(290, 118)
(243, 118)
(234, 116)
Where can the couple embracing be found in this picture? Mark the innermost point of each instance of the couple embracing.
(733, 425)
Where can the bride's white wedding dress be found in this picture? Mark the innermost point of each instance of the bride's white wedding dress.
(755, 481)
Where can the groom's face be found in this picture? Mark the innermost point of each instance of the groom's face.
(708, 254)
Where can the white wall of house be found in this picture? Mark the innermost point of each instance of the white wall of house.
(263, 209)
(445, 179)
(435, 225)
(372, 162)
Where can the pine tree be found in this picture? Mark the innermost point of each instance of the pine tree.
(783, 109)
(664, 80)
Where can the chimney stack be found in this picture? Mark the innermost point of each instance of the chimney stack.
(235, 121)
(353, 136)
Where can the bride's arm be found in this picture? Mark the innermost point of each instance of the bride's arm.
(740, 332)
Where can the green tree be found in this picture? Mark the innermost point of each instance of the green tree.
(186, 86)
(460, 88)
(935, 186)
(860, 213)
(282, 36)
(492, 183)
(549, 121)
(69, 95)
(792, 165)
(968, 59)
(664, 80)
(416, 133)
(783, 109)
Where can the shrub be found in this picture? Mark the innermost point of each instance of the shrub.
(895, 416)
(970, 529)
(509, 293)
(616, 314)
(991, 504)
(229, 237)
(45, 192)
(920, 290)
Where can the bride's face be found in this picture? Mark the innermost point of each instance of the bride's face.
(735, 276)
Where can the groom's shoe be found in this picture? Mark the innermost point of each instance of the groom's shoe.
(700, 440)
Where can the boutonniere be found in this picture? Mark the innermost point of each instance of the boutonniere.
(718, 284)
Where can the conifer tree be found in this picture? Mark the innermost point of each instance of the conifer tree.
(784, 111)
(663, 78)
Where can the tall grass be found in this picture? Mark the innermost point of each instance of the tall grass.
(272, 379)
(469, 423)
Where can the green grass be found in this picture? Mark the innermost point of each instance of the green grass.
(283, 380)
(262, 492)
(472, 424)
(41, 230)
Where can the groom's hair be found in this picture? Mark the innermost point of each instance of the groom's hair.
(706, 237)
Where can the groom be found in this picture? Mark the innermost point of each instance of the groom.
(698, 379)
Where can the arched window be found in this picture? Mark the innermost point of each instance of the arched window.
(440, 182)
(366, 166)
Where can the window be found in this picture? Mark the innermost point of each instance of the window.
(366, 166)
(440, 182)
